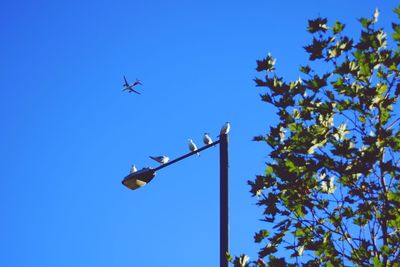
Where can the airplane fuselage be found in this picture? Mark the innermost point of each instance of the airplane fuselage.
(130, 89)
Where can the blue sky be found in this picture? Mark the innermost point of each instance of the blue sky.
(69, 135)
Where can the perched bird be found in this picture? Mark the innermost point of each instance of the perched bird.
(160, 159)
(129, 88)
(133, 169)
(206, 139)
(193, 147)
(225, 129)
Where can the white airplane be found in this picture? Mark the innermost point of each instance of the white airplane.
(129, 88)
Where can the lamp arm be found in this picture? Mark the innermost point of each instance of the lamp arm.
(186, 155)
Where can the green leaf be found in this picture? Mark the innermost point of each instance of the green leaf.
(381, 88)
(258, 237)
(377, 262)
(385, 250)
(333, 53)
(317, 25)
(316, 49)
(266, 98)
(396, 33)
(381, 37)
(266, 64)
(361, 221)
(305, 69)
(338, 27)
(385, 115)
(365, 69)
(277, 262)
(366, 23)
(241, 261)
(397, 11)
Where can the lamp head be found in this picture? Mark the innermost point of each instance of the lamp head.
(138, 179)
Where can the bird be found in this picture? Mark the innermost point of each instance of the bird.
(133, 169)
(129, 88)
(225, 128)
(161, 159)
(193, 147)
(206, 139)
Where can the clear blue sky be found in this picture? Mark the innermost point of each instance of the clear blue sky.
(69, 135)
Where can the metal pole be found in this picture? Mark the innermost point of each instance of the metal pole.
(223, 200)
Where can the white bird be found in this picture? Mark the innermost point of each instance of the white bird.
(133, 169)
(193, 147)
(225, 129)
(206, 139)
(160, 159)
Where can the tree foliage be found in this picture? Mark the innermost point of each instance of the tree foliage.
(330, 193)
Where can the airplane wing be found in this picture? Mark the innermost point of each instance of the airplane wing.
(137, 82)
(132, 90)
(126, 82)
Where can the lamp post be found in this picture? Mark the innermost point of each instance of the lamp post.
(223, 201)
(144, 176)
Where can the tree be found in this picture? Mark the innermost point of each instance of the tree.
(331, 189)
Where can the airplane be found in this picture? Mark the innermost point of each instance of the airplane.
(129, 88)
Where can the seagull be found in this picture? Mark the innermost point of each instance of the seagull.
(133, 169)
(129, 88)
(206, 139)
(161, 159)
(193, 147)
(225, 129)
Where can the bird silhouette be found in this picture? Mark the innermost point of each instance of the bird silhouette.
(160, 159)
(193, 147)
(133, 169)
(207, 139)
(225, 128)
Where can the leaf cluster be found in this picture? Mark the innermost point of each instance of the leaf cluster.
(330, 193)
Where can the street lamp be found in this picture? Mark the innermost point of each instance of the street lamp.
(138, 179)
(144, 176)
